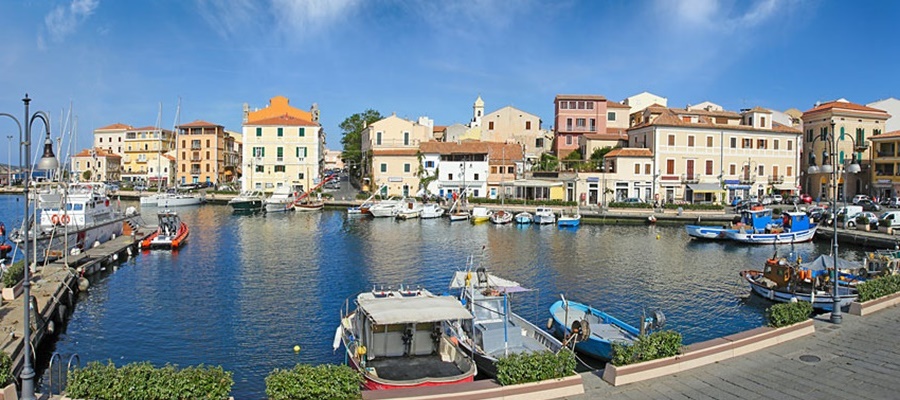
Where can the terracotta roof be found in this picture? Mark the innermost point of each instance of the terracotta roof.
(116, 126)
(889, 135)
(842, 105)
(169, 157)
(630, 152)
(656, 107)
(282, 120)
(760, 109)
(395, 152)
(144, 128)
(99, 153)
(607, 136)
(612, 104)
(439, 128)
(729, 114)
(670, 117)
(494, 150)
(579, 97)
(198, 123)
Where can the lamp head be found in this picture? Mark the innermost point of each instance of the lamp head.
(826, 168)
(813, 170)
(48, 160)
(853, 168)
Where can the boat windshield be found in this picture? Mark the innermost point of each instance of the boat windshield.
(74, 206)
(488, 310)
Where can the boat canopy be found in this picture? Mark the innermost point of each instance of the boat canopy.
(824, 262)
(504, 285)
(412, 309)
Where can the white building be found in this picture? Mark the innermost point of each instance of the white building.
(891, 106)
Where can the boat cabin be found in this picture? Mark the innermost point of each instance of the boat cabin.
(756, 220)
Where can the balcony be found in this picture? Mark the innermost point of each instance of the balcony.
(747, 179)
(195, 147)
(776, 179)
(196, 159)
(195, 171)
(690, 178)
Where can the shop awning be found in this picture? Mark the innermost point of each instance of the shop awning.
(705, 187)
(788, 187)
(531, 183)
(738, 187)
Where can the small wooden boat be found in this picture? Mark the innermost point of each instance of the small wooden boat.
(784, 281)
(524, 218)
(309, 205)
(172, 233)
(569, 220)
(481, 214)
(397, 339)
(594, 330)
(431, 210)
(501, 217)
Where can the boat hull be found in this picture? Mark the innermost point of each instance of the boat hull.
(279, 207)
(309, 207)
(51, 244)
(823, 300)
(178, 201)
(524, 218)
(595, 346)
(799, 236)
(248, 205)
(708, 232)
(569, 221)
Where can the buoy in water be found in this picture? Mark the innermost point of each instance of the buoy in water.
(296, 348)
(83, 284)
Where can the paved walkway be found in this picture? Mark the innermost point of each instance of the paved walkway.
(859, 359)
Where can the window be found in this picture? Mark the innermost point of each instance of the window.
(476, 178)
(568, 124)
(406, 138)
(429, 164)
(184, 168)
(259, 152)
(279, 152)
(762, 122)
(775, 144)
(207, 142)
(647, 169)
(790, 171)
(637, 169)
(406, 167)
(761, 144)
(809, 135)
(611, 116)
(732, 169)
(860, 135)
(539, 143)
(590, 105)
(258, 132)
(748, 144)
(581, 105)
(775, 171)
(494, 169)
(449, 177)
(761, 170)
(564, 105)
(207, 167)
(279, 168)
(568, 139)
(670, 167)
(101, 140)
(302, 132)
(491, 125)
(280, 132)
(709, 141)
(733, 143)
(378, 138)
(593, 125)
(671, 140)
(300, 176)
(383, 167)
(876, 132)
(790, 145)
(580, 123)
(690, 141)
(709, 167)
(260, 168)
(300, 152)
(527, 125)
(207, 155)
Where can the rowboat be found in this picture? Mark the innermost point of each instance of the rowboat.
(594, 331)
(524, 218)
(501, 217)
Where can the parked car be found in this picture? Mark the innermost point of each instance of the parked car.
(632, 200)
(188, 186)
(817, 213)
(793, 199)
(873, 219)
(140, 187)
(859, 197)
(894, 202)
(747, 205)
(806, 198)
(893, 218)
(868, 205)
(766, 200)
(777, 199)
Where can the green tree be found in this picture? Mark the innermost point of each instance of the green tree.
(599, 153)
(86, 175)
(352, 128)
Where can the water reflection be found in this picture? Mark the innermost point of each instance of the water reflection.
(247, 288)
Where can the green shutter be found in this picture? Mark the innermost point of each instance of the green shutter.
(258, 132)
(297, 152)
(280, 151)
(280, 132)
(304, 152)
(842, 133)
(302, 131)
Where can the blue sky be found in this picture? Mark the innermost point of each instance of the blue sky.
(115, 61)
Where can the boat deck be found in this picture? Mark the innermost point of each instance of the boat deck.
(598, 328)
(494, 343)
(413, 368)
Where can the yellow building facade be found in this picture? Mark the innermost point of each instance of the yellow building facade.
(144, 159)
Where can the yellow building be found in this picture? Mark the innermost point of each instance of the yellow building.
(886, 164)
(390, 149)
(143, 160)
(282, 146)
(203, 154)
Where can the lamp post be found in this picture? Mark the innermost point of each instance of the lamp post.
(831, 168)
(48, 162)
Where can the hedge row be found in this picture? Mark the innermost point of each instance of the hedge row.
(784, 314)
(143, 381)
(659, 344)
(14, 274)
(619, 204)
(309, 382)
(533, 367)
(878, 287)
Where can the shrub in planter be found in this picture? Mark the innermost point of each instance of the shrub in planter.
(659, 344)
(533, 367)
(314, 382)
(878, 287)
(675, 206)
(14, 274)
(6, 375)
(619, 204)
(139, 381)
(784, 314)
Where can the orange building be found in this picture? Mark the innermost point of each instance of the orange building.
(203, 154)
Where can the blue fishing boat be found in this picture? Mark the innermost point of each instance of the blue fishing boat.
(592, 331)
(524, 218)
(794, 227)
(569, 220)
(748, 218)
(708, 232)
(785, 281)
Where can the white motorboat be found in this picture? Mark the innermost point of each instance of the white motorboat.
(282, 200)
(431, 210)
(544, 215)
(73, 216)
(248, 201)
(408, 208)
(384, 208)
(171, 233)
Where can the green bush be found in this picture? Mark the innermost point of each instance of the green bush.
(532, 367)
(784, 314)
(619, 204)
(674, 206)
(884, 223)
(14, 274)
(660, 344)
(309, 382)
(6, 375)
(878, 287)
(560, 203)
(142, 381)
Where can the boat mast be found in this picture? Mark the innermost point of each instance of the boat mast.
(159, 150)
(175, 135)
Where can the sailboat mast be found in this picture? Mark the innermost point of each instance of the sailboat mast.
(159, 150)
(175, 134)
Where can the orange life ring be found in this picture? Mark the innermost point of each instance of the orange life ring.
(65, 219)
(55, 219)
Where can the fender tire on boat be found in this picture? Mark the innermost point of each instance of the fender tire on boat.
(61, 314)
(51, 327)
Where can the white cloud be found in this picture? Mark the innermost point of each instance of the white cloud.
(310, 17)
(300, 19)
(230, 17)
(723, 16)
(64, 20)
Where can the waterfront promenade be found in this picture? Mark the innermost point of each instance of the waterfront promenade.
(858, 359)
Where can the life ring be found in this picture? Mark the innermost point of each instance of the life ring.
(65, 219)
(55, 219)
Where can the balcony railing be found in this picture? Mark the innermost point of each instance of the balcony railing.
(886, 154)
(195, 172)
(776, 179)
(747, 179)
(690, 178)
(196, 159)
(195, 147)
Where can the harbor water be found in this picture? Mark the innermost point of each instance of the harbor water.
(247, 288)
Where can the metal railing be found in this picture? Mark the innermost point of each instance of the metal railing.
(690, 178)
(776, 179)
(57, 379)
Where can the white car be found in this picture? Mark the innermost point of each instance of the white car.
(777, 199)
(858, 198)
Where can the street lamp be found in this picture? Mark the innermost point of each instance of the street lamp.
(827, 168)
(48, 162)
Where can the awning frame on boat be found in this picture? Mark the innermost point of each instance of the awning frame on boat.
(413, 309)
(504, 285)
